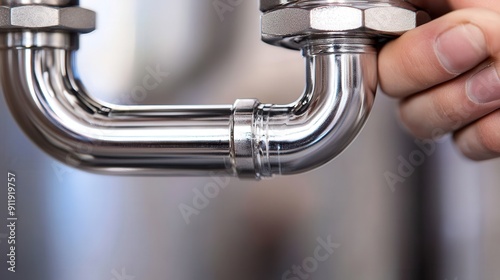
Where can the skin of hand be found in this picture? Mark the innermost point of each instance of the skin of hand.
(447, 75)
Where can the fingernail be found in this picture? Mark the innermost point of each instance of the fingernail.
(484, 87)
(461, 48)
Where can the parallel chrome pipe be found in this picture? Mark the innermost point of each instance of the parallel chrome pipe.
(247, 139)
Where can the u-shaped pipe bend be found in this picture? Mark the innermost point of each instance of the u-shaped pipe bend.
(247, 139)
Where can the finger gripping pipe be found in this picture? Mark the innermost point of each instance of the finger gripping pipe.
(38, 41)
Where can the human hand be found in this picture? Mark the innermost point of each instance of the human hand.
(447, 73)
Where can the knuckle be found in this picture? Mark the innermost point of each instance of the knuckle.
(445, 110)
(411, 124)
(487, 136)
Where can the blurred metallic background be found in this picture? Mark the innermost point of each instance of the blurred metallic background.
(442, 222)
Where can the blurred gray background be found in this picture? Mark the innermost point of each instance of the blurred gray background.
(442, 222)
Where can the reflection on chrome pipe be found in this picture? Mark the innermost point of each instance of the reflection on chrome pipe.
(341, 84)
(248, 139)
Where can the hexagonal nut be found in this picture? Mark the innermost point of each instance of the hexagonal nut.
(376, 19)
(37, 17)
(394, 20)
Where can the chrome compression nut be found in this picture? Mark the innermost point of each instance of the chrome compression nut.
(290, 23)
(46, 18)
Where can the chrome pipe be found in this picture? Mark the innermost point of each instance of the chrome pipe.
(52, 107)
(247, 139)
(340, 90)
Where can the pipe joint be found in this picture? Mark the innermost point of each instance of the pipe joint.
(243, 138)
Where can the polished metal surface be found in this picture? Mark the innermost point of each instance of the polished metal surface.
(266, 5)
(341, 84)
(59, 40)
(42, 17)
(292, 24)
(53, 109)
(247, 139)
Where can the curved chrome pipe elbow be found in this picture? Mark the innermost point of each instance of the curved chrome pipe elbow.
(339, 95)
(247, 139)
